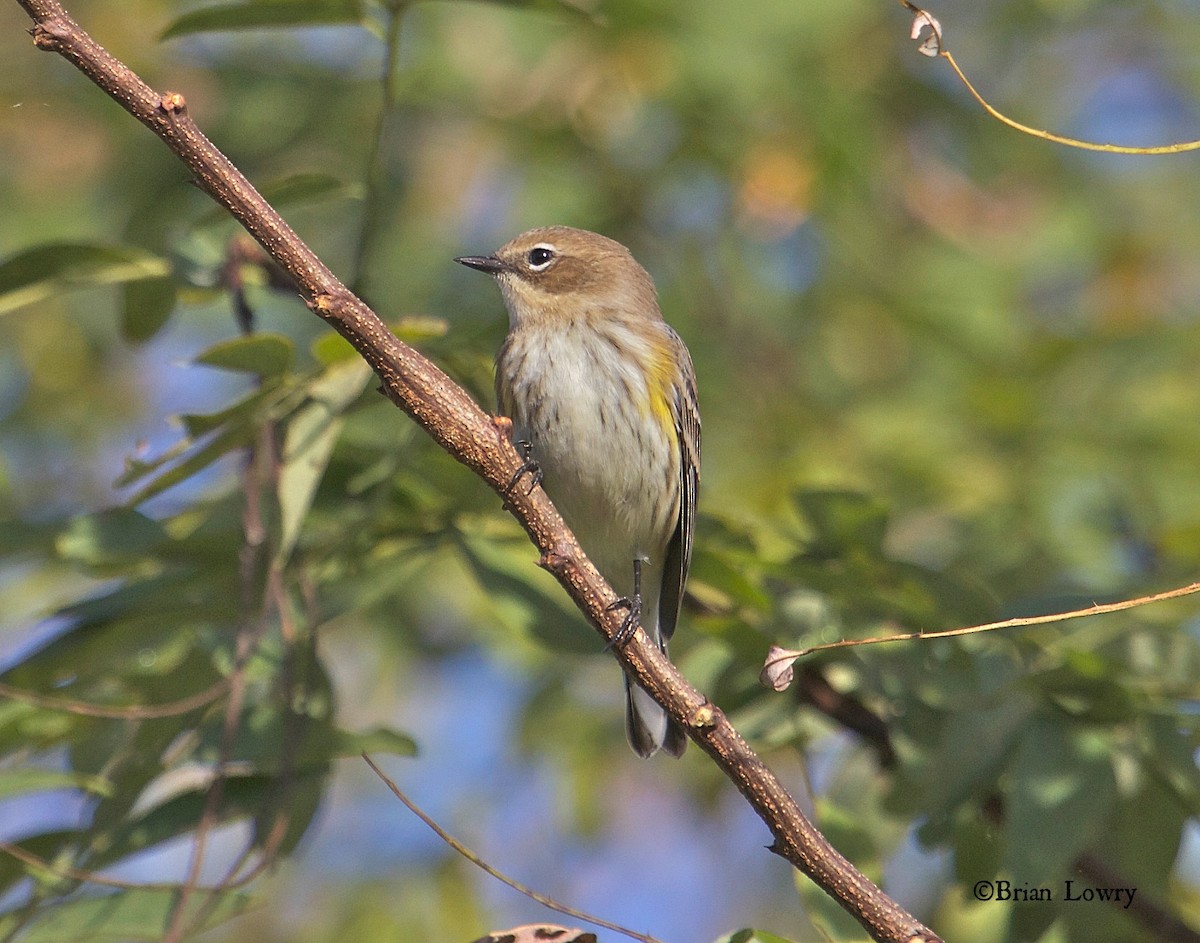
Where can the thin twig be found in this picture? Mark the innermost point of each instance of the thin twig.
(1096, 609)
(498, 875)
(258, 566)
(247, 640)
(937, 45)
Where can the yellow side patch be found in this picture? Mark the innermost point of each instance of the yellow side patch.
(661, 383)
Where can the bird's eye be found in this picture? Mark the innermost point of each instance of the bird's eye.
(540, 257)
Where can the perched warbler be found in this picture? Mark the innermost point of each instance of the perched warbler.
(602, 392)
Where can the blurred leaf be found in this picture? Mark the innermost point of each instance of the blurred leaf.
(331, 347)
(1172, 757)
(119, 917)
(311, 434)
(264, 401)
(502, 567)
(751, 936)
(221, 444)
(23, 780)
(1060, 796)
(575, 7)
(143, 629)
(413, 329)
(294, 190)
(177, 814)
(46, 270)
(1092, 694)
(264, 354)
(112, 537)
(826, 916)
(375, 740)
(305, 188)
(973, 747)
(265, 14)
(146, 307)
(45, 846)
(137, 468)
(24, 537)
(843, 520)
(978, 846)
(1144, 840)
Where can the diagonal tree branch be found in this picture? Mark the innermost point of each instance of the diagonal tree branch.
(482, 443)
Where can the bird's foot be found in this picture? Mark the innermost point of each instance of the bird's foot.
(528, 467)
(633, 617)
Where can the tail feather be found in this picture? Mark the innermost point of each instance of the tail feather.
(648, 725)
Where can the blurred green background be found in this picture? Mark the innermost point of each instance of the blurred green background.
(947, 375)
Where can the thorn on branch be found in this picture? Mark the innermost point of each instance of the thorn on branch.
(49, 34)
(554, 561)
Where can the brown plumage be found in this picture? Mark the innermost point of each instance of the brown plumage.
(604, 392)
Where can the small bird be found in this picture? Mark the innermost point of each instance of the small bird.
(602, 394)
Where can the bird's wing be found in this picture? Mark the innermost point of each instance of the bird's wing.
(679, 550)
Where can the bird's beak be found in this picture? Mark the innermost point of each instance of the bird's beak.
(485, 263)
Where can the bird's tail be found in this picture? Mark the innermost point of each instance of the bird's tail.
(648, 725)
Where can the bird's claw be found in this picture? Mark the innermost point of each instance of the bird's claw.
(528, 467)
(633, 616)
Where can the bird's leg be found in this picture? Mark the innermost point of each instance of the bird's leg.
(529, 466)
(633, 615)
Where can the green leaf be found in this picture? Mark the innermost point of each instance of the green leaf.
(293, 190)
(311, 435)
(219, 445)
(374, 740)
(574, 7)
(412, 329)
(126, 915)
(332, 348)
(748, 935)
(265, 354)
(306, 188)
(1145, 836)
(243, 796)
(111, 537)
(145, 308)
(260, 15)
(972, 747)
(17, 536)
(53, 268)
(248, 412)
(15, 782)
(1062, 790)
(46, 846)
(502, 567)
(827, 919)
(844, 519)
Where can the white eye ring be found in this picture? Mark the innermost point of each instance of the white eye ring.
(541, 256)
